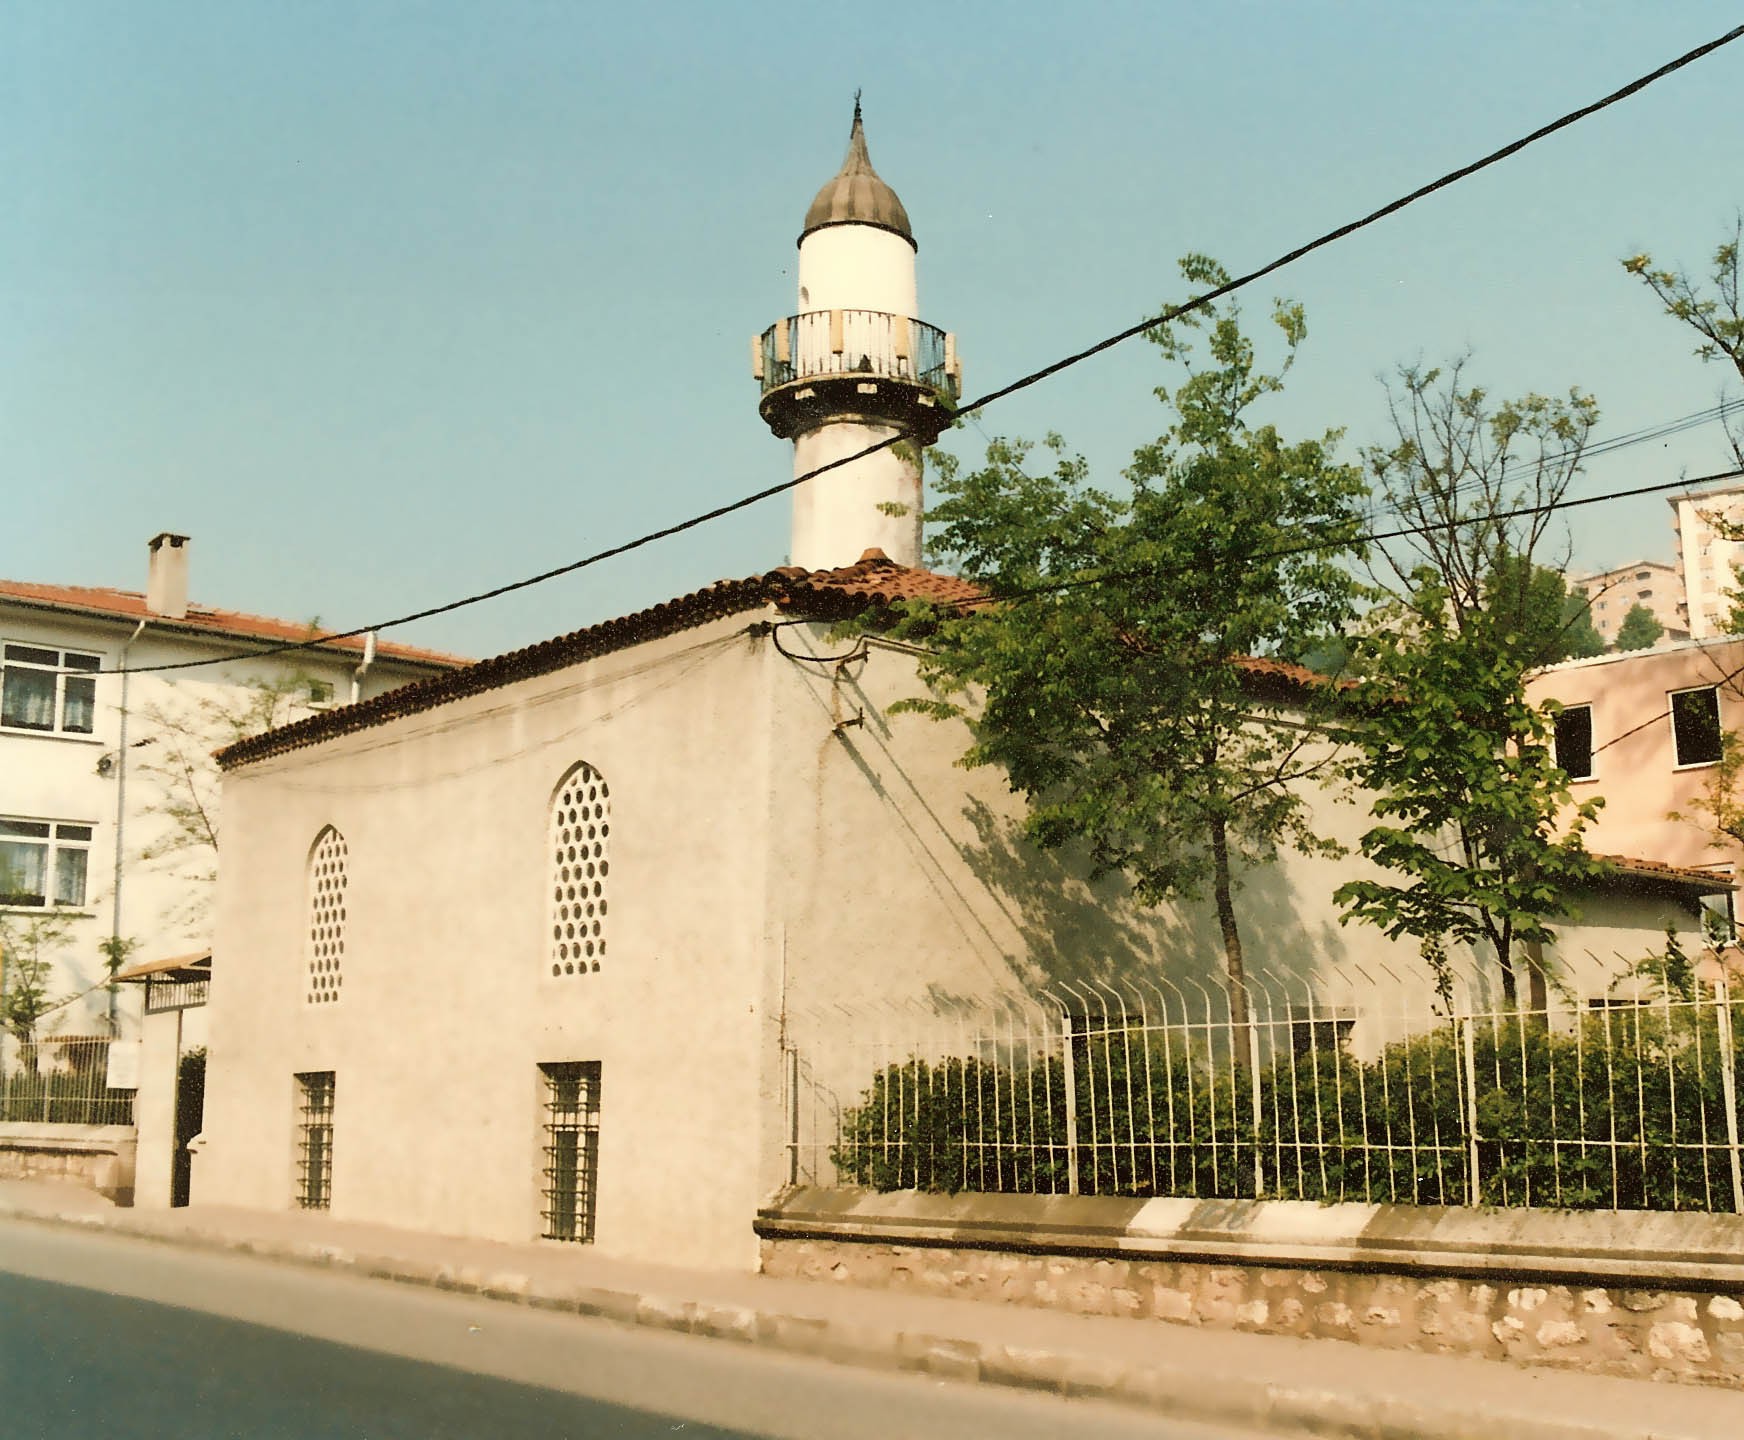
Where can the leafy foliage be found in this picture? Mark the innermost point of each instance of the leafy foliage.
(1103, 678)
(1720, 807)
(1621, 1108)
(1534, 603)
(1713, 308)
(175, 762)
(1639, 630)
(1473, 814)
(29, 946)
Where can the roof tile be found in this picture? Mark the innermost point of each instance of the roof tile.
(873, 580)
(223, 624)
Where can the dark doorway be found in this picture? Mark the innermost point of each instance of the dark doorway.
(190, 1111)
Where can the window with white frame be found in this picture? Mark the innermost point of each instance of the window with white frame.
(1574, 741)
(581, 826)
(51, 691)
(43, 862)
(1695, 725)
(327, 883)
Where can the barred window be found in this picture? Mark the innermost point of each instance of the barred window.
(581, 815)
(315, 1093)
(572, 1115)
(326, 917)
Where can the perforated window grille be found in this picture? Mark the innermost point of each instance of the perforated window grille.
(315, 1090)
(572, 1114)
(326, 917)
(581, 826)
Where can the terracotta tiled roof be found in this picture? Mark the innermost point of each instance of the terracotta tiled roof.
(1706, 882)
(821, 594)
(1287, 675)
(874, 580)
(128, 605)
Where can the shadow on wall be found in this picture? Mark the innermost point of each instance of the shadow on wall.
(1079, 932)
(1067, 929)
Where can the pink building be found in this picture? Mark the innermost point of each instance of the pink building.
(1643, 730)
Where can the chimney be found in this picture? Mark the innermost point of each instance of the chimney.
(166, 584)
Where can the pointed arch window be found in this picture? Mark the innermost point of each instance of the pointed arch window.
(326, 918)
(581, 827)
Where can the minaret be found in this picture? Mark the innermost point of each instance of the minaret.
(854, 367)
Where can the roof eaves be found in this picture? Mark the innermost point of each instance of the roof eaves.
(1657, 874)
(205, 623)
(715, 601)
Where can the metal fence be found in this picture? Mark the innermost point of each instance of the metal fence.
(60, 1080)
(1378, 1092)
(855, 342)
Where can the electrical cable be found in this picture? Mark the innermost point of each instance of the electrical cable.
(775, 637)
(1721, 412)
(1347, 542)
(1035, 377)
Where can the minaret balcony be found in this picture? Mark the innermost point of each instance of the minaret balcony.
(829, 365)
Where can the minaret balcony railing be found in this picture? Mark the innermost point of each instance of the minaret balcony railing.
(824, 344)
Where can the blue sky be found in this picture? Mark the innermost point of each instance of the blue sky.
(384, 303)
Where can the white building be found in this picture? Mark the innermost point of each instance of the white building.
(1706, 556)
(97, 744)
(516, 951)
(1612, 594)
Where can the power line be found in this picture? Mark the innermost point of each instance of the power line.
(1723, 411)
(1035, 377)
(1372, 538)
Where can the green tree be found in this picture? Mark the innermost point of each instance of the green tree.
(1639, 629)
(1534, 601)
(1719, 809)
(175, 764)
(29, 947)
(1713, 307)
(1473, 816)
(1105, 677)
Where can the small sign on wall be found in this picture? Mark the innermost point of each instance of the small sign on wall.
(123, 1071)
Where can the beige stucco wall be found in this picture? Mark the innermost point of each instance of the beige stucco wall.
(448, 1003)
(1636, 770)
(781, 848)
(912, 877)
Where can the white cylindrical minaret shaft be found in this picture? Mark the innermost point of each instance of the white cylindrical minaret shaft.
(853, 368)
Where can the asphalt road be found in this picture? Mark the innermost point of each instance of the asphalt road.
(103, 1336)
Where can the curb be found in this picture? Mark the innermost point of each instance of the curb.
(1177, 1391)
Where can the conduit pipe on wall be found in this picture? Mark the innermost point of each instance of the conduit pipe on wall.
(367, 661)
(120, 825)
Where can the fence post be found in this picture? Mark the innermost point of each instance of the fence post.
(1071, 1085)
(1474, 1182)
(1729, 1091)
(1253, 1072)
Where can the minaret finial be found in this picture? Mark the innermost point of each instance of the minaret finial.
(856, 104)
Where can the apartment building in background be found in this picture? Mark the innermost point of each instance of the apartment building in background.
(1706, 557)
(1612, 594)
(93, 759)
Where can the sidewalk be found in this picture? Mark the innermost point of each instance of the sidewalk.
(1314, 1387)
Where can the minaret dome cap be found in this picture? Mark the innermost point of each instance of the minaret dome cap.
(857, 195)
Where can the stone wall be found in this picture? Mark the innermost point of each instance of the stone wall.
(97, 1157)
(1613, 1320)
